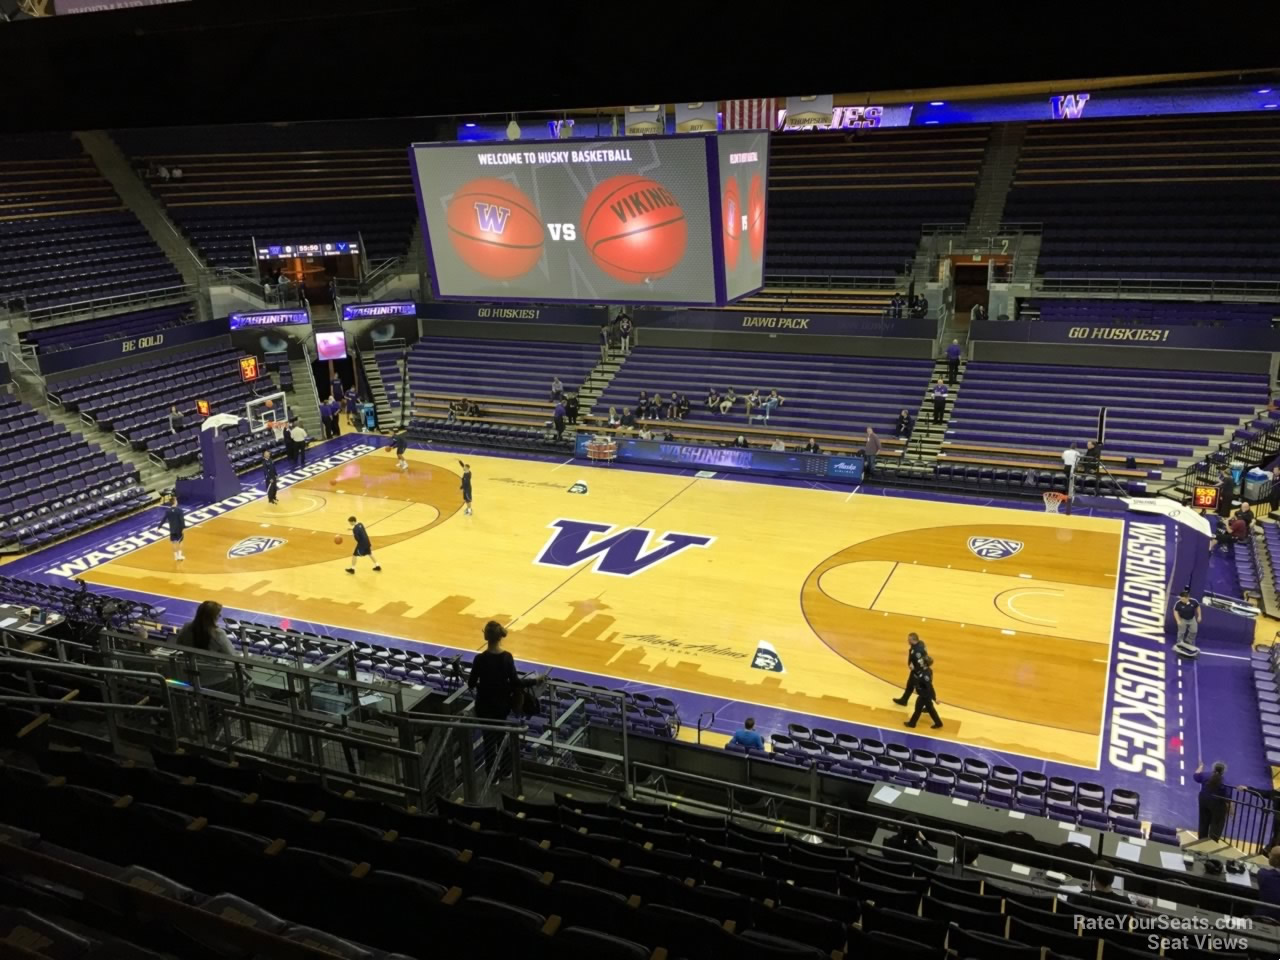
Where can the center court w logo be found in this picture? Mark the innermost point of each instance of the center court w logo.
(252, 546)
(994, 548)
(620, 555)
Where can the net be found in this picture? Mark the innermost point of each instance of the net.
(1053, 501)
(277, 428)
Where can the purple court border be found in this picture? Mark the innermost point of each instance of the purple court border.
(1171, 801)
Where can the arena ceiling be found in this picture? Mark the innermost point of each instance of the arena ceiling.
(218, 61)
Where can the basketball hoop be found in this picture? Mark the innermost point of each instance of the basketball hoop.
(1053, 501)
(277, 428)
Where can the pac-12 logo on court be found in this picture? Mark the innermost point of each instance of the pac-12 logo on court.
(623, 554)
(767, 658)
(994, 548)
(252, 546)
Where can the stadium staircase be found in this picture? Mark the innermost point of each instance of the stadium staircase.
(119, 171)
(155, 477)
(305, 400)
(377, 388)
(998, 164)
(927, 437)
(598, 380)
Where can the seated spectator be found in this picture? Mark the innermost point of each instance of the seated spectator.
(645, 433)
(682, 408)
(628, 421)
(205, 633)
(673, 406)
(778, 446)
(727, 402)
(741, 442)
(1100, 889)
(176, 173)
(175, 420)
(473, 409)
(771, 403)
(811, 446)
(1245, 513)
(642, 408)
(909, 839)
(614, 419)
(1238, 529)
(557, 389)
(162, 172)
(1269, 884)
(748, 737)
(668, 436)
(905, 425)
(752, 401)
(713, 403)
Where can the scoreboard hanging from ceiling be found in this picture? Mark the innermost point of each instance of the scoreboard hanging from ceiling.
(662, 220)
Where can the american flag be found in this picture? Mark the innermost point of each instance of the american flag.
(751, 114)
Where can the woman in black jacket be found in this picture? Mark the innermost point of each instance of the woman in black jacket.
(495, 682)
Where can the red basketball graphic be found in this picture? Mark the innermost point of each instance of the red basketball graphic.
(634, 228)
(731, 209)
(755, 217)
(494, 228)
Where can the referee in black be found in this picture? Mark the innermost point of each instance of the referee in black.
(269, 476)
(925, 694)
(916, 654)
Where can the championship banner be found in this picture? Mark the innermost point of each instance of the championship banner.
(758, 114)
(647, 120)
(808, 113)
(700, 117)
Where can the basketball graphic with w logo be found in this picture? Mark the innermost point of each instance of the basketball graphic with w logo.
(495, 228)
(634, 228)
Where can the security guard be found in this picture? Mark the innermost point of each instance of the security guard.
(916, 653)
(925, 694)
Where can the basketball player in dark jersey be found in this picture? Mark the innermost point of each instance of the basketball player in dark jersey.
(177, 522)
(466, 486)
(363, 547)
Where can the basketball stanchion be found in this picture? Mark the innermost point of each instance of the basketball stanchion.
(1053, 501)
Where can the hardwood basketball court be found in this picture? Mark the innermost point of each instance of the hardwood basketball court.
(1015, 606)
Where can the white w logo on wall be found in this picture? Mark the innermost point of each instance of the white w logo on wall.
(252, 546)
(994, 548)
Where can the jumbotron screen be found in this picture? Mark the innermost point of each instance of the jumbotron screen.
(605, 221)
(744, 172)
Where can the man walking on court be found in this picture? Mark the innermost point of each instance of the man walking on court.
(916, 654)
(925, 695)
(177, 522)
(363, 547)
(466, 486)
(870, 450)
(1186, 617)
(269, 476)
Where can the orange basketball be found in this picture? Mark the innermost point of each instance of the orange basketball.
(338, 539)
(634, 228)
(333, 481)
(269, 404)
(732, 214)
(755, 217)
(495, 228)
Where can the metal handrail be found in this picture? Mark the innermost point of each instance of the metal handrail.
(1102, 287)
(109, 304)
(1016, 854)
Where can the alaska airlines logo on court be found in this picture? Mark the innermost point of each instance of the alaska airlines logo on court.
(252, 546)
(994, 548)
(621, 554)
